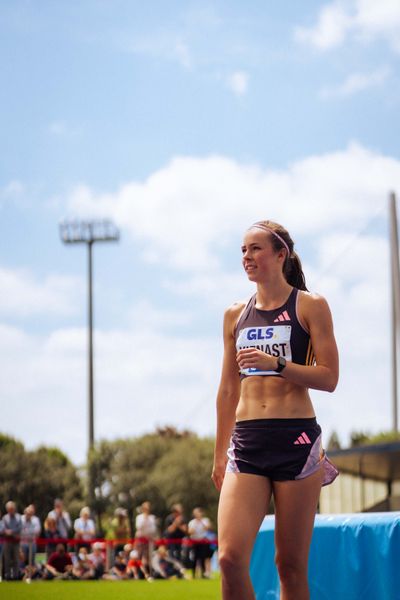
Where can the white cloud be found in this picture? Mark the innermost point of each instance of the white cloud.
(331, 29)
(365, 20)
(357, 82)
(24, 295)
(186, 213)
(238, 82)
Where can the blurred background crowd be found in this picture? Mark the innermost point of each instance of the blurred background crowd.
(62, 548)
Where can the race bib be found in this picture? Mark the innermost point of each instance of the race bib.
(273, 340)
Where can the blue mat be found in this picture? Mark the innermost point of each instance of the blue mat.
(352, 557)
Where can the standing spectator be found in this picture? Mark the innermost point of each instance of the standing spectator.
(198, 528)
(175, 528)
(52, 534)
(146, 530)
(59, 564)
(62, 518)
(85, 529)
(120, 528)
(12, 531)
(31, 529)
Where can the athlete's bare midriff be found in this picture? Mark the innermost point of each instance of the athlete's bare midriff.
(269, 397)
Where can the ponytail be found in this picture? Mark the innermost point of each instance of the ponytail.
(293, 272)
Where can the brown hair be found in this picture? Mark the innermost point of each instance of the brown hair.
(292, 268)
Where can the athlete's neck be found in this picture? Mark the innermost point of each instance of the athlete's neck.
(272, 294)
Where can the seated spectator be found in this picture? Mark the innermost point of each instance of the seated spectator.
(198, 528)
(118, 570)
(85, 529)
(12, 525)
(164, 566)
(120, 564)
(82, 567)
(62, 519)
(97, 559)
(59, 565)
(31, 529)
(134, 568)
(51, 533)
(175, 529)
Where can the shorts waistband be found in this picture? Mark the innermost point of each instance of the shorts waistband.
(297, 422)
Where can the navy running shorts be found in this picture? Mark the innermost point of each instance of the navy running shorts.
(280, 449)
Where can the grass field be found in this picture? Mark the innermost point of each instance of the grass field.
(111, 590)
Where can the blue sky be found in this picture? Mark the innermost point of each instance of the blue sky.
(185, 122)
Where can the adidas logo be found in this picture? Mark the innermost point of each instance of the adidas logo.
(303, 439)
(282, 317)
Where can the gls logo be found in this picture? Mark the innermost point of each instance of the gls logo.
(260, 334)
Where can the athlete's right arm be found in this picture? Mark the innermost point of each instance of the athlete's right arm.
(228, 394)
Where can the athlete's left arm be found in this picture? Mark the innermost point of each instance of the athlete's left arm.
(324, 375)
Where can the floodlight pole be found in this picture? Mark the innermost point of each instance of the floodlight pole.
(89, 232)
(395, 285)
(90, 348)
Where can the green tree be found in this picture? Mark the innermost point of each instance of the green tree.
(37, 477)
(359, 438)
(163, 467)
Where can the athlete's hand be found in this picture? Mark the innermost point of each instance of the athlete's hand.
(218, 472)
(252, 358)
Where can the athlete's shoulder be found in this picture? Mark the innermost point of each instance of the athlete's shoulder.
(312, 299)
(232, 314)
(236, 307)
(312, 304)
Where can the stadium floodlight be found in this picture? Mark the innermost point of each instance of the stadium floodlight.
(89, 232)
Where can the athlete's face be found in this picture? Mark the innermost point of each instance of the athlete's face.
(259, 258)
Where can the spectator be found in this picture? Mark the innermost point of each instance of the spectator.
(120, 528)
(146, 530)
(31, 529)
(82, 567)
(118, 570)
(175, 528)
(136, 569)
(85, 529)
(59, 565)
(51, 533)
(198, 528)
(164, 566)
(62, 518)
(12, 530)
(96, 557)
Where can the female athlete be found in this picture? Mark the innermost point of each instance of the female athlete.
(268, 441)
